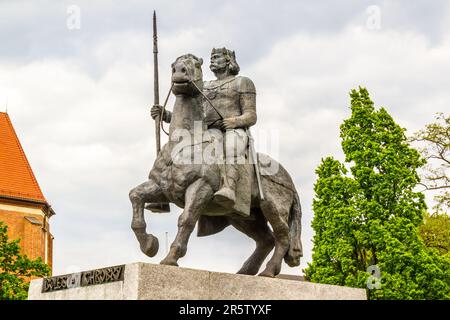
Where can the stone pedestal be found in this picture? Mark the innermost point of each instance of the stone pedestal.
(142, 281)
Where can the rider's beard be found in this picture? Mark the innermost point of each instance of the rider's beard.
(217, 68)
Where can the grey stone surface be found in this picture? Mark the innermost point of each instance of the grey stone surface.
(240, 287)
(144, 281)
(172, 283)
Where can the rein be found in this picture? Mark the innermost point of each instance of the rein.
(163, 109)
(207, 99)
(199, 90)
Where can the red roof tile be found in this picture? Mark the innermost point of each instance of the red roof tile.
(16, 176)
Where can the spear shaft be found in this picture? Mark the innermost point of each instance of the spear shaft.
(156, 206)
(156, 84)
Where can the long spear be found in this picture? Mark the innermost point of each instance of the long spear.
(156, 84)
(159, 206)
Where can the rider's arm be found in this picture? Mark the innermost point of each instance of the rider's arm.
(247, 99)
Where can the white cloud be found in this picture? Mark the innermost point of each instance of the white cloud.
(85, 126)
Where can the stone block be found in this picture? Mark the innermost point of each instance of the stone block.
(144, 281)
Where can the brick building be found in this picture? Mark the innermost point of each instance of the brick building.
(23, 207)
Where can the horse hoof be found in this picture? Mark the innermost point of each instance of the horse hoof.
(169, 262)
(247, 271)
(150, 245)
(266, 273)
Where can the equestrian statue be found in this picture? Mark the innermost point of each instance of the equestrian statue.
(209, 168)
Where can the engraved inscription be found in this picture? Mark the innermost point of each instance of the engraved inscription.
(83, 279)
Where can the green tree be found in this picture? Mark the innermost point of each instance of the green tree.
(15, 268)
(369, 216)
(435, 232)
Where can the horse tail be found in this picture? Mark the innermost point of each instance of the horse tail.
(295, 251)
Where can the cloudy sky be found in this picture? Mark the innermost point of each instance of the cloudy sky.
(79, 91)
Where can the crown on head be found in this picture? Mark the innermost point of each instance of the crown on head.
(228, 53)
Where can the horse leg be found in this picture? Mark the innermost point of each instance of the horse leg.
(259, 231)
(277, 215)
(197, 196)
(148, 191)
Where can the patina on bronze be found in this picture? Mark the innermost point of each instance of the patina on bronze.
(83, 279)
(196, 187)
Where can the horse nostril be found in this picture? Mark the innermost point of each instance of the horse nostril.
(183, 70)
(173, 70)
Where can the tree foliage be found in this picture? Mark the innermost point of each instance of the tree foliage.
(369, 215)
(434, 143)
(435, 233)
(16, 268)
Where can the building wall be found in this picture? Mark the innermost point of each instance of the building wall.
(28, 224)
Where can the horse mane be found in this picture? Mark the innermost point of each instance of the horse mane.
(189, 56)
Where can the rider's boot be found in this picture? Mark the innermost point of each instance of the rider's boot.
(226, 196)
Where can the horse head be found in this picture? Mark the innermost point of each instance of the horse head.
(187, 77)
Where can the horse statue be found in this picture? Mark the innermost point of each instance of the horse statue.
(191, 186)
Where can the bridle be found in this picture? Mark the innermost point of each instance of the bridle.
(193, 81)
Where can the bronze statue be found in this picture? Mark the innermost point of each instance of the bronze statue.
(228, 190)
(230, 106)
